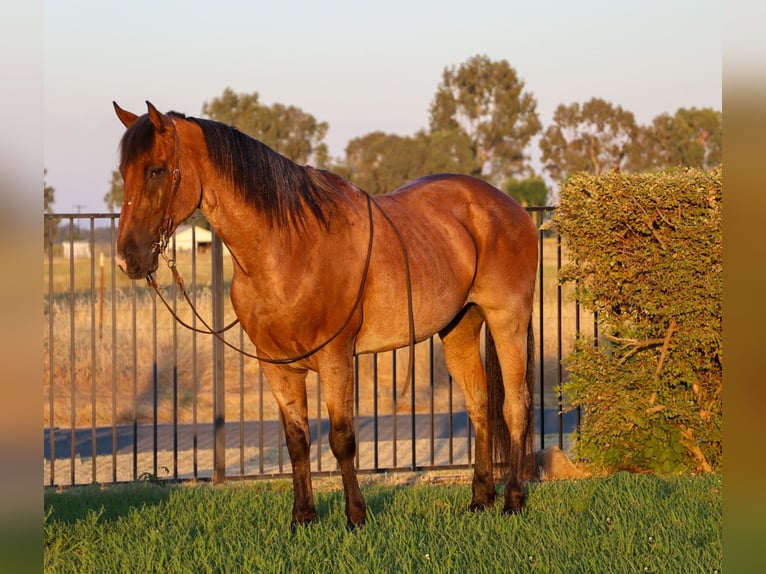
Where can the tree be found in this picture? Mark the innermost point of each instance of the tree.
(380, 162)
(48, 193)
(51, 226)
(594, 137)
(529, 191)
(113, 197)
(446, 152)
(690, 138)
(287, 129)
(485, 101)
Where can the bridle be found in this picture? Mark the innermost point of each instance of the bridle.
(160, 248)
(161, 244)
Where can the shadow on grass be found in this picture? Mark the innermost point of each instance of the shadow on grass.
(111, 503)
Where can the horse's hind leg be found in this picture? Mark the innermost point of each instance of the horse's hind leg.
(289, 388)
(462, 354)
(512, 335)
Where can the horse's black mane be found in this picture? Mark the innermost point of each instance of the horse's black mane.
(273, 184)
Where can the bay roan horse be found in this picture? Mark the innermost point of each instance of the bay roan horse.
(323, 272)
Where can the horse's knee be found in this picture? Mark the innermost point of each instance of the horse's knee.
(298, 440)
(342, 441)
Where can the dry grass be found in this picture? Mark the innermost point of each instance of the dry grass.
(181, 364)
(93, 375)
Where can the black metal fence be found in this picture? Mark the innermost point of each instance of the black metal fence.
(130, 394)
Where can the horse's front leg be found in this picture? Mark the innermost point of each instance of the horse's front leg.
(289, 388)
(337, 381)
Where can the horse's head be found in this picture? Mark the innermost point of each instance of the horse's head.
(155, 198)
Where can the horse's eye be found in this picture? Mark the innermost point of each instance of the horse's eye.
(155, 172)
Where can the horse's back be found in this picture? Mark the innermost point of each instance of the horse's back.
(464, 238)
(485, 210)
(451, 191)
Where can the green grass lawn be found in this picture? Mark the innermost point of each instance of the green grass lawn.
(623, 523)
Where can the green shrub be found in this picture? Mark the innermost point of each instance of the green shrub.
(646, 255)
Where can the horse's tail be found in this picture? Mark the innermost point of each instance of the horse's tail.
(499, 435)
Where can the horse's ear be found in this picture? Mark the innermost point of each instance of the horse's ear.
(127, 118)
(158, 119)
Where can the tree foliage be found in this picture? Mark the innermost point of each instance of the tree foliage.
(287, 129)
(529, 191)
(113, 197)
(482, 121)
(646, 254)
(689, 138)
(486, 102)
(594, 137)
(50, 229)
(597, 136)
(380, 162)
(48, 193)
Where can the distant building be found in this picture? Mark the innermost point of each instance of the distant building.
(187, 237)
(76, 249)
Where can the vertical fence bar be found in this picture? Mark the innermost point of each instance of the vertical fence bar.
(577, 334)
(541, 336)
(375, 453)
(72, 381)
(195, 372)
(281, 443)
(413, 437)
(559, 344)
(431, 384)
(93, 431)
(451, 421)
(319, 423)
(241, 402)
(356, 409)
(260, 422)
(134, 344)
(155, 387)
(394, 415)
(175, 372)
(219, 391)
(468, 440)
(51, 342)
(112, 274)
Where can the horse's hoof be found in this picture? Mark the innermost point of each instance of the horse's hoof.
(479, 506)
(518, 508)
(295, 524)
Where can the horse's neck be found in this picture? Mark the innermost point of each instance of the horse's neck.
(253, 242)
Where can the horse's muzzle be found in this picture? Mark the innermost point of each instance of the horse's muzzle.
(134, 267)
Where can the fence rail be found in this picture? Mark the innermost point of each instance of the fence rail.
(131, 394)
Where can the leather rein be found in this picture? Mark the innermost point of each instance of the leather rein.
(161, 245)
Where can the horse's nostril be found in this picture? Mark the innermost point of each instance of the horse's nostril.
(121, 263)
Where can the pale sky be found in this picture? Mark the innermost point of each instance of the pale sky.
(358, 66)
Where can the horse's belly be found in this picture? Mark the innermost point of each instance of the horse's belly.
(387, 327)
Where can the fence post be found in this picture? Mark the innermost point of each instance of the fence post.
(219, 395)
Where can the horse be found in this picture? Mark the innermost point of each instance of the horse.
(323, 271)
